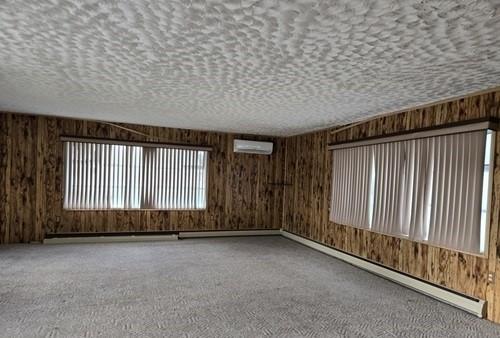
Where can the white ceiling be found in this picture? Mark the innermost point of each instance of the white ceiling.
(271, 67)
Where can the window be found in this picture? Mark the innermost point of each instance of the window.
(430, 189)
(128, 176)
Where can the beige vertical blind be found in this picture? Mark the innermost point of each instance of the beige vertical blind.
(402, 185)
(432, 189)
(417, 187)
(350, 186)
(117, 176)
(455, 199)
(388, 189)
(176, 178)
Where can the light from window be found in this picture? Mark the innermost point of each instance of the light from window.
(486, 192)
(371, 198)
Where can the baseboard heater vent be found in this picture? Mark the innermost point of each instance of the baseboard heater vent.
(229, 233)
(70, 238)
(110, 239)
(471, 305)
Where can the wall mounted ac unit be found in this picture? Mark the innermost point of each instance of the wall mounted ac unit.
(253, 147)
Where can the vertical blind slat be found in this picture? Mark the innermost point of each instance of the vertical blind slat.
(67, 171)
(170, 175)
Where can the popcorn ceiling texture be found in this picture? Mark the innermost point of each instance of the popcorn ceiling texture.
(267, 67)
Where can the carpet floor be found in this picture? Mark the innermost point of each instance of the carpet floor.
(220, 287)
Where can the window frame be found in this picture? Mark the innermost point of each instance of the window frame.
(152, 144)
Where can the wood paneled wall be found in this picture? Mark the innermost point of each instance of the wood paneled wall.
(306, 204)
(240, 196)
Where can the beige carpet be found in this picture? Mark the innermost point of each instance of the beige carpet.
(227, 287)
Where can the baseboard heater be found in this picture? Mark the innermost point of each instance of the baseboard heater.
(114, 237)
(109, 238)
(229, 233)
(469, 304)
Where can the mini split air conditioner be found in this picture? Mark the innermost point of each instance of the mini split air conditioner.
(253, 147)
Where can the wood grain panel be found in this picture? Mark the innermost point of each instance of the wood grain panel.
(306, 204)
(5, 165)
(31, 181)
(22, 179)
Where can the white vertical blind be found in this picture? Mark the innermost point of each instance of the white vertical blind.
(432, 189)
(108, 176)
(350, 186)
(388, 191)
(456, 196)
(418, 185)
(176, 178)
(403, 179)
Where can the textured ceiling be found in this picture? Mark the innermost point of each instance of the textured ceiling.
(268, 67)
